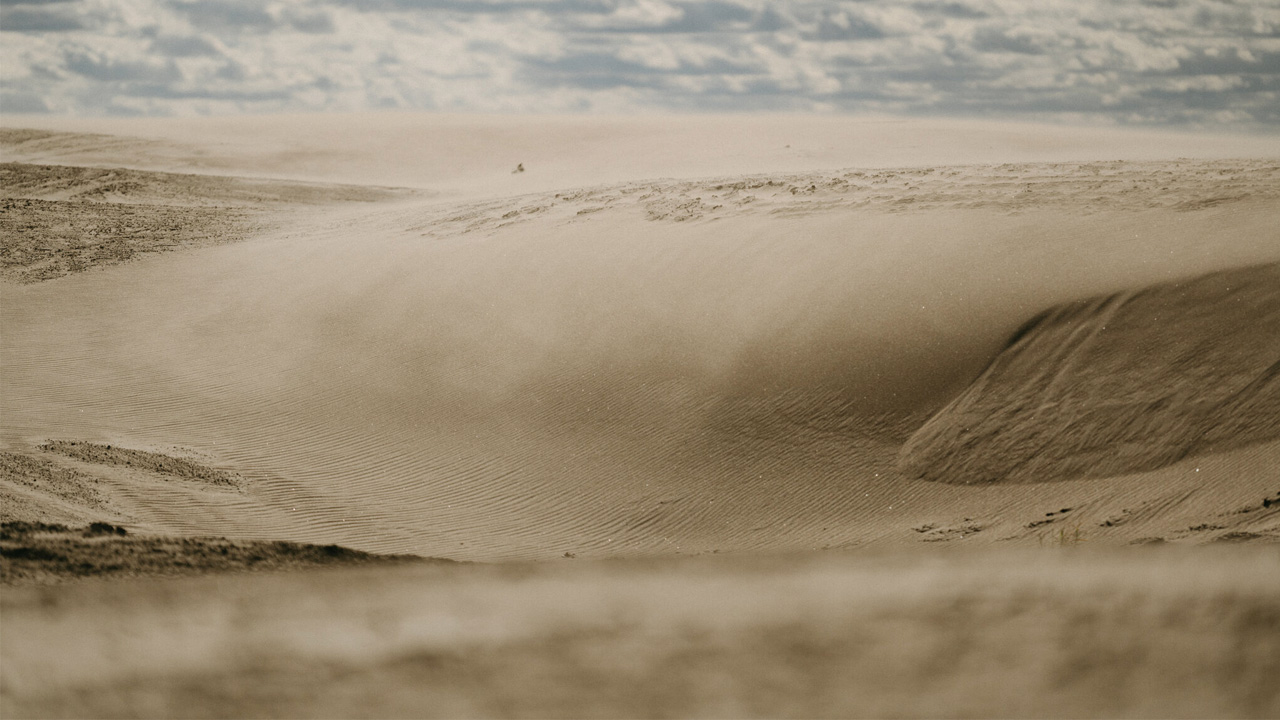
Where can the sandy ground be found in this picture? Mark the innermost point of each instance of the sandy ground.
(841, 348)
(1062, 632)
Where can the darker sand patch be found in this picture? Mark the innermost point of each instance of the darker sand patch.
(43, 553)
(1118, 384)
(141, 460)
(45, 239)
(145, 187)
(48, 477)
(58, 220)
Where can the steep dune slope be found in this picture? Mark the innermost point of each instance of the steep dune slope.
(1117, 384)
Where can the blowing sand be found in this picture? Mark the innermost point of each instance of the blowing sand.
(856, 348)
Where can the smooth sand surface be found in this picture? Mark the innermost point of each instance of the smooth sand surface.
(663, 337)
(1063, 632)
(470, 155)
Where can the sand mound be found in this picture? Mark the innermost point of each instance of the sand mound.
(1117, 384)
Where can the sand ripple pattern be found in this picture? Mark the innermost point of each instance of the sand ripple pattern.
(599, 383)
(1118, 384)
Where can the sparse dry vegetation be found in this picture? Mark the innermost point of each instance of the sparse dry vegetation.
(42, 553)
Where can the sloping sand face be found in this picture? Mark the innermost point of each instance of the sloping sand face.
(760, 357)
(1118, 384)
(644, 368)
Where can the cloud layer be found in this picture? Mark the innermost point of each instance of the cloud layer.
(1158, 62)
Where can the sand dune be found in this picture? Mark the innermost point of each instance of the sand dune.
(650, 367)
(1118, 384)
(777, 337)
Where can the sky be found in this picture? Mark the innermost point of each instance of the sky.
(1189, 63)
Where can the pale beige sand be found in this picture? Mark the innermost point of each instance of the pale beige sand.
(583, 360)
(1116, 384)
(475, 155)
(1063, 632)
(644, 368)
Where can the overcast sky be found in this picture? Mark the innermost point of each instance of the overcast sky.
(1210, 63)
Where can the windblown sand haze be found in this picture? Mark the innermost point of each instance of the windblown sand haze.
(920, 386)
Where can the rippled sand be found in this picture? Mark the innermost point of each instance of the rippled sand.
(797, 338)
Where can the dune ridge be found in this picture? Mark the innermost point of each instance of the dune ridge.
(1117, 384)
(637, 367)
(782, 344)
(473, 156)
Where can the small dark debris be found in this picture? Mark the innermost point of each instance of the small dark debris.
(35, 554)
(1237, 536)
(99, 529)
(16, 529)
(1203, 527)
(40, 553)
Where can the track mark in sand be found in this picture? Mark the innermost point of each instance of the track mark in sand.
(932, 532)
(1243, 536)
(141, 460)
(1049, 518)
(1121, 518)
(1148, 510)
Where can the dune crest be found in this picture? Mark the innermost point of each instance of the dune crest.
(1117, 384)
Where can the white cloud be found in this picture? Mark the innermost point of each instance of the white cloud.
(1181, 61)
